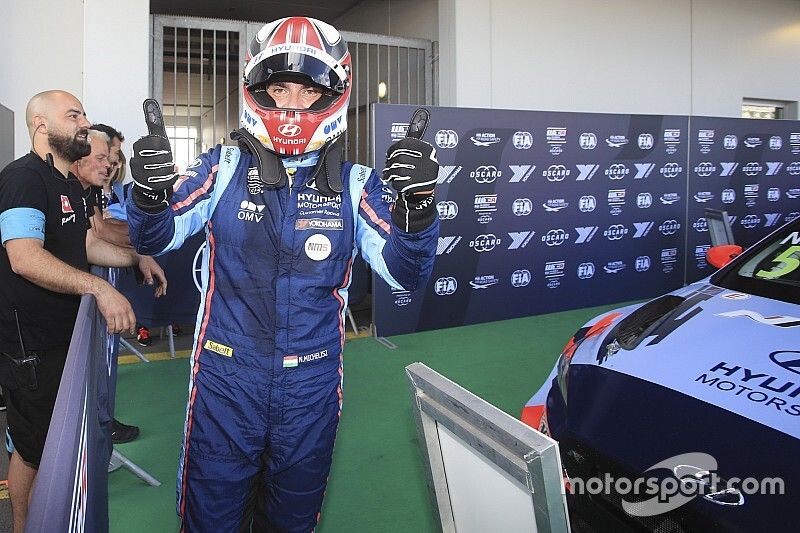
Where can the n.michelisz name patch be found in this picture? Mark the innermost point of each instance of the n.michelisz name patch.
(216, 347)
(291, 361)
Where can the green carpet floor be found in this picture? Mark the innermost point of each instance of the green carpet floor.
(377, 482)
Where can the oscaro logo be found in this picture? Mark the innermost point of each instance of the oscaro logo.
(705, 169)
(484, 243)
(520, 278)
(289, 130)
(750, 221)
(669, 227)
(522, 207)
(555, 237)
(486, 174)
(752, 169)
(447, 210)
(617, 171)
(615, 232)
(700, 225)
(446, 286)
(671, 170)
(556, 173)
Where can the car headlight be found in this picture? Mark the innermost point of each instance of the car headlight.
(569, 350)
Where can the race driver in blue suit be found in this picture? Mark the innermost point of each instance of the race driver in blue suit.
(284, 216)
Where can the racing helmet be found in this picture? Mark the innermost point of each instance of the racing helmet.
(301, 50)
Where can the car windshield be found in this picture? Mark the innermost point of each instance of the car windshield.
(771, 268)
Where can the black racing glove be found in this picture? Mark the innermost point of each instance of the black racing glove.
(153, 171)
(412, 169)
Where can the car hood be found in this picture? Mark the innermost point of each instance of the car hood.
(737, 351)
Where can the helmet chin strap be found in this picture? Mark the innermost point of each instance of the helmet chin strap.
(327, 173)
(270, 169)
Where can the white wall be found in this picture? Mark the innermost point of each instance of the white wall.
(42, 50)
(96, 50)
(619, 56)
(399, 18)
(116, 52)
(696, 57)
(742, 49)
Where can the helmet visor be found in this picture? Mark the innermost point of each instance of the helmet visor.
(294, 63)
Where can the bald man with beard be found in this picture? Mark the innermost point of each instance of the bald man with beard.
(44, 261)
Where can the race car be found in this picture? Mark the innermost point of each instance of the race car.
(683, 413)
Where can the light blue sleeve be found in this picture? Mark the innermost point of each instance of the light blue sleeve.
(21, 223)
(369, 239)
(193, 202)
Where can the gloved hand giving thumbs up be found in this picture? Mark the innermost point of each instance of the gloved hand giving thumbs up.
(412, 169)
(152, 164)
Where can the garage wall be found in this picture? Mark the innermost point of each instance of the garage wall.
(98, 51)
(696, 57)
(619, 56)
(30, 63)
(399, 18)
(746, 49)
(116, 58)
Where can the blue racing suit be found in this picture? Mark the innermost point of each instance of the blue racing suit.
(265, 390)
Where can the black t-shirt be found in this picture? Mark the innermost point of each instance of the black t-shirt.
(46, 318)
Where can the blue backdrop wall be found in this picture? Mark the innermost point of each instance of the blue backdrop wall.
(546, 211)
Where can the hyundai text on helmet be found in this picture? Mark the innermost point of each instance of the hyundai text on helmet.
(300, 50)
